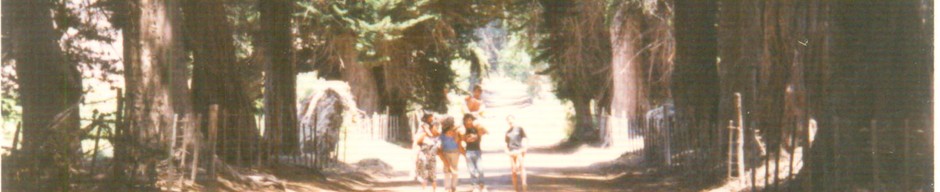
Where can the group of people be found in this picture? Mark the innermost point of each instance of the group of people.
(441, 138)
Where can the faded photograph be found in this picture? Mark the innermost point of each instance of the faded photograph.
(467, 95)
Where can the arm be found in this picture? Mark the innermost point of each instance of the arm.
(460, 147)
(525, 141)
(459, 140)
(465, 105)
(506, 147)
(418, 139)
(482, 130)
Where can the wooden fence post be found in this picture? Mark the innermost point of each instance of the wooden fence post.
(834, 169)
(117, 136)
(261, 151)
(731, 147)
(184, 141)
(173, 134)
(213, 129)
(907, 156)
(876, 180)
(792, 148)
(16, 135)
(309, 134)
(94, 155)
(740, 139)
(195, 164)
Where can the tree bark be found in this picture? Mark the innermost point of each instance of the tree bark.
(359, 76)
(695, 80)
(696, 88)
(625, 40)
(880, 70)
(280, 95)
(156, 77)
(584, 130)
(50, 90)
(216, 79)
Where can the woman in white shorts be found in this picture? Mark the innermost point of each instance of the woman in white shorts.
(516, 141)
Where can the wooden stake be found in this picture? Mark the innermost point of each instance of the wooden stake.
(792, 148)
(195, 144)
(740, 129)
(187, 118)
(907, 156)
(16, 135)
(195, 164)
(94, 156)
(213, 129)
(876, 181)
(731, 148)
(173, 135)
(258, 143)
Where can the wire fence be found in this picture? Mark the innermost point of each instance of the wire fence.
(896, 155)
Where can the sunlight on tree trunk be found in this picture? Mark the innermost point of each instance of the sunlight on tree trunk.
(156, 75)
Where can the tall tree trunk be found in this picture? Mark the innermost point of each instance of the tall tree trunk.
(625, 40)
(880, 70)
(695, 80)
(584, 130)
(216, 79)
(359, 76)
(696, 88)
(741, 51)
(155, 78)
(280, 95)
(50, 90)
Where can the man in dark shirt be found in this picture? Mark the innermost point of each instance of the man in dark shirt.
(473, 133)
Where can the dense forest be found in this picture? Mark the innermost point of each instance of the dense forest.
(847, 82)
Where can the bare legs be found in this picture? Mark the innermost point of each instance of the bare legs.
(450, 170)
(518, 172)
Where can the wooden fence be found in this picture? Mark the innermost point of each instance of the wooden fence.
(899, 151)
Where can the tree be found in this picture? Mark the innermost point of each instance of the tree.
(576, 47)
(156, 74)
(696, 89)
(50, 91)
(216, 79)
(404, 47)
(626, 38)
(879, 69)
(280, 95)
(695, 80)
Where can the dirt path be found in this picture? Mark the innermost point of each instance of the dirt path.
(550, 172)
(616, 168)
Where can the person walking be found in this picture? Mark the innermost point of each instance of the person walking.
(450, 151)
(474, 133)
(428, 143)
(473, 104)
(516, 143)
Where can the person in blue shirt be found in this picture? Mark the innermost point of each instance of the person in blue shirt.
(450, 152)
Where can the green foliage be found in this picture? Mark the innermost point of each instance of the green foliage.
(11, 109)
(515, 60)
(413, 41)
(574, 42)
